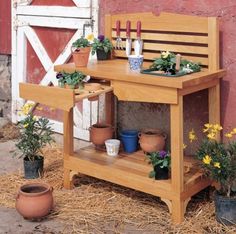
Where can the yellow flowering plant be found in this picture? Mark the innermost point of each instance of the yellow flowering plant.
(218, 158)
(35, 133)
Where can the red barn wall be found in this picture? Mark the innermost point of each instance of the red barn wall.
(5, 27)
(225, 10)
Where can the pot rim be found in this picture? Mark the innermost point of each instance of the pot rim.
(46, 186)
(155, 131)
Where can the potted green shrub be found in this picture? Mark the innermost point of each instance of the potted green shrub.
(219, 163)
(81, 50)
(102, 47)
(71, 80)
(35, 133)
(160, 161)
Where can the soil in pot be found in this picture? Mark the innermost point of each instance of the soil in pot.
(225, 209)
(34, 200)
(161, 173)
(33, 169)
(102, 55)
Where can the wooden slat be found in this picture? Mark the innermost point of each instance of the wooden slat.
(156, 54)
(164, 22)
(213, 29)
(86, 94)
(166, 37)
(51, 96)
(174, 48)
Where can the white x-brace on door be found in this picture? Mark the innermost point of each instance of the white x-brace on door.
(81, 17)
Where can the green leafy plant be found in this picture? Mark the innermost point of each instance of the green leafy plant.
(72, 79)
(218, 158)
(167, 64)
(161, 158)
(101, 43)
(83, 42)
(35, 133)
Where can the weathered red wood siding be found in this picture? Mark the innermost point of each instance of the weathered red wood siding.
(225, 10)
(5, 27)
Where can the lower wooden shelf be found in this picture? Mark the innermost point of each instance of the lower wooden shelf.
(131, 170)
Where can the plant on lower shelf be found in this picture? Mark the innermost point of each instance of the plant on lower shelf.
(170, 64)
(219, 163)
(35, 133)
(160, 161)
(73, 80)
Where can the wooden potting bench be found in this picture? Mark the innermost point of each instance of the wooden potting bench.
(195, 38)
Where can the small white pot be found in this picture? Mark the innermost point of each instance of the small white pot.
(112, 147)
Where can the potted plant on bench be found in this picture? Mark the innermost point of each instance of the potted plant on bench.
(72, 80)
(102, 47)
(35, 133)
(81, 50)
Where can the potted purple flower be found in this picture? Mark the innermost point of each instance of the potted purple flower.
(160, 161)
(102, 47)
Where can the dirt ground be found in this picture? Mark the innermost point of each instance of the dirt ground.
(10, 221)
(95, 206)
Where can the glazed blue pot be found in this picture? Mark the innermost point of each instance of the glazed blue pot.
(129, 139)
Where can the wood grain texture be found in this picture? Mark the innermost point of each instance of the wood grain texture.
(51, 96)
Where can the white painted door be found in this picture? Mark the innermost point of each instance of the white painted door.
(29, 20)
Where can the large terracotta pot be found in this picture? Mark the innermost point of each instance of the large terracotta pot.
(152, 140)
(34, 200)
(81, 57)
(100, 132)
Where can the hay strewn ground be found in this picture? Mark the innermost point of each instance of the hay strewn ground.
(95, 206)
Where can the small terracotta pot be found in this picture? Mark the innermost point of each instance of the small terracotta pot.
(34, 200)
(152, 140)
(81, 57)
(100, 132)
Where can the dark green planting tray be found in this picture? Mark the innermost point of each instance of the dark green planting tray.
(156, 73)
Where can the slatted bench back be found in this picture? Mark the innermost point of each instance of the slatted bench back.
(195, 38)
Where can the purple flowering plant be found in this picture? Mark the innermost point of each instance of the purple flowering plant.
(161, 158)
(101, 43)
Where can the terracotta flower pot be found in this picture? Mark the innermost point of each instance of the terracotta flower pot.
(81, 57)
(34, 200)
(100, 132)
(152, 140)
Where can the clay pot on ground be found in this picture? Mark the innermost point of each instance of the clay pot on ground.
(34, 200)
(81, 56)
(152, 140)
(100, 132)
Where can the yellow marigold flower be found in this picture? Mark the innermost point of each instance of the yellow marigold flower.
(184, 146)
(39, 108)
(217, 164)
(207, 159)
(26, 108)
(192, 136)
(234, 130)
(229, 135)
(165, 54)
(207, 127)
(211, 136)
(26, 125)
(35, 118)
(217, 127)
(90, 37)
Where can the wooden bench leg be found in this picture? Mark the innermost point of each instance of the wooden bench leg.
(67, 181)
(178, 211)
